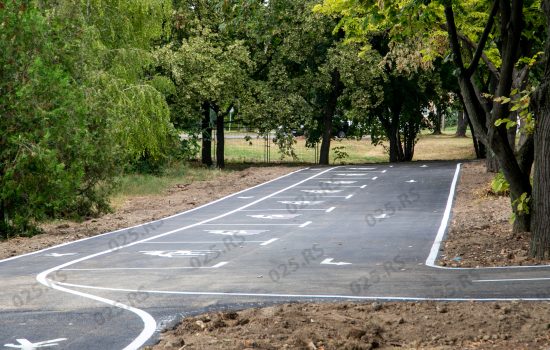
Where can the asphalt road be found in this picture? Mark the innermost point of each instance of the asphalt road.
(318, 234)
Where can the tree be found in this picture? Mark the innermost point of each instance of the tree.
(540, 243)
(477, 20)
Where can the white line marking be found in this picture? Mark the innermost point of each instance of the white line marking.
(245, 197)
(305, 224)
(514, 280)
(58, 255)
(149, 322)
(363, 186)
(247, 224)
(179, 253)
(384, 171)
(301, 202)
(150, 222)
(329, 261)
(374, 178)
(339, 182)
(330, 209)
(149, 268)
(349, 196)
(198, 242)
(353, 174)
(424, 166)
(286, 209)
(270, 241)
(274, 216)
(306, 296)
(381, 216)
(236, 232)
(411, 181)
(321, 191)
(361, 168)
(430, 261)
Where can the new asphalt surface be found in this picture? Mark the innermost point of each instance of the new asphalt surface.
(318, 234)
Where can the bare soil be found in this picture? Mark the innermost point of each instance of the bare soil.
(358, 326)
(481, 232)
(138, 210)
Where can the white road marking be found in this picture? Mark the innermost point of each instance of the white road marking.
(248, 224)
(198, 242)
(339, 182)
(328, 261)
(363, 186)
(349, 196)
(58, 255)
(245, 197)
(351, 174)
(411, 181)
(301, 202)
(513, 280)
(322, 191)
(330, 209)
(384, 171)
(27, 345)
(381, 216)
(154, 221)
(275, 216)
(220, 264)
(305, 224)
(424, 166)
(304, 296)
(149, 323)
(374, 178)
(361, 168)
(179, 253)
(430, 261)
(236, 232)
(270, 241)
(282, 209)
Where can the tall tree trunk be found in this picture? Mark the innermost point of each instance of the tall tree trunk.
(328, 113)
(220, 139)
(206, 152)
(540, 205)
(461, 125)
(479, 147)
(437, 122)
(491, 163)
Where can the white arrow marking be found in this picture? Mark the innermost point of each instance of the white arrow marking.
(27, 345)
(236, 232)
(57, 255)
(275, 216)
(328, 261)
(339, 182)
(322, 191)
(178, 253)
(301, 202)
(411, 181)
(382, 216)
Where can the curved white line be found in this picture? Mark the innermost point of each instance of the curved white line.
(307, 296)
(148, 320)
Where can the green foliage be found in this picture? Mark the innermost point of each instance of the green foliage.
(499, 185)
(340, 154)
(521, 206)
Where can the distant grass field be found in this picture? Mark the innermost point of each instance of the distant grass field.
(429, 147)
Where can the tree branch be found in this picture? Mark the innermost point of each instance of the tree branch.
(483, 39)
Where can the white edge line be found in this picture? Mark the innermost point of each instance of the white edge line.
(148, 321)
(430, 261)
(309, 296)
(150, 222)
(513, 280)
(270, 241)
(330, 209)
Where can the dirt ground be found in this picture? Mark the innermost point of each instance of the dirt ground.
(358, 326)
(137, 210)
(481, 233)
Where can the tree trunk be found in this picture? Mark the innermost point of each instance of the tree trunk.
(328, 113)
(481, 151)
(206, 153)
(438, 122)
(540, 205)
(220, 140)
(491, 163)
(461, 125)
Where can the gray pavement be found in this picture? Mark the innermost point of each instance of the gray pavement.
(318, 234)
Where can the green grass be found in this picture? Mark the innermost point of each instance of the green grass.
(429, 147)
(179, 173)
